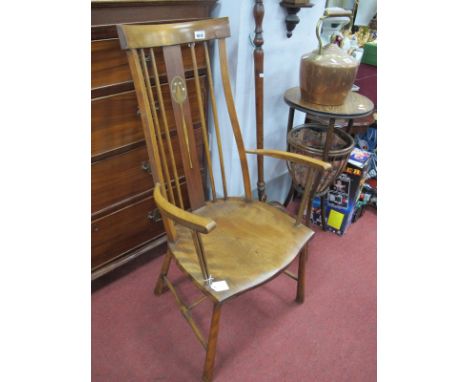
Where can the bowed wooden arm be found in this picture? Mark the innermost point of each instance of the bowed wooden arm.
(194, 222)
(297, 158)
(316, 166)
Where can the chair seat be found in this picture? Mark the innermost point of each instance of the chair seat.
(252, 242)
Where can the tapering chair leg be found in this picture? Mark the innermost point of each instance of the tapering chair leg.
(212, 341)
(160, 287)
(301, 275)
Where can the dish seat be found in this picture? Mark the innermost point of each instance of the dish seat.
(252, 242)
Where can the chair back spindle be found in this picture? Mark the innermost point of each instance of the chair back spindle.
(203, 123)
(214, 109)
(158, 138)
(148, 129)
(223, 61)
(166, 128)
(140, 42)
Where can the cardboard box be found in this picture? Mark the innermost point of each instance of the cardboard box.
(343, 194)
(370, 53)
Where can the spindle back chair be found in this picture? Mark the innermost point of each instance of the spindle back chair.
(226, 245)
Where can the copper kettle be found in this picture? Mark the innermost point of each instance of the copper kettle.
(327, 74)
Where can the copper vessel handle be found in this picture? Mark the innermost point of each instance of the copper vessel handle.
(327, 14)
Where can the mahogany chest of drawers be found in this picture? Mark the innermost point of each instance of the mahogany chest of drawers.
(124, 220)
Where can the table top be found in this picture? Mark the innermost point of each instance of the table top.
(355, 105)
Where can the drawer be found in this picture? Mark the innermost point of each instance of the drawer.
(119, 177)
(125, 229)
(115, 120)
(109, 63)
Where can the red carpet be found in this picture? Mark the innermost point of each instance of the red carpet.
(264, 335)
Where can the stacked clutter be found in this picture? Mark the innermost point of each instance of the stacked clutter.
(368, 141)
(354, 189)
(346, 196)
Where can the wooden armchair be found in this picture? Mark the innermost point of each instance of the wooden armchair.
(225, 245)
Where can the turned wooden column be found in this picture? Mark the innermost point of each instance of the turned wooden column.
(258, 12)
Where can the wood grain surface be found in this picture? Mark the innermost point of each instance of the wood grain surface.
(252, 243)
(355, 105)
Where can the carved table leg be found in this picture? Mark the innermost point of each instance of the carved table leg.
(326, 149)
(329, 138)
(323, 212)
(350, 126)
(258, 12)
(292, 191)
(290, 196)
(290, 122)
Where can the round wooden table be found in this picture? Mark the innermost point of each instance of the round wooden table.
(355, 106)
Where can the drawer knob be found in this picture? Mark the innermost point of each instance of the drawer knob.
(154, 215)
(145, 166)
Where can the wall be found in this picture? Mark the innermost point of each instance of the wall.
(281, 72)
(366, 11)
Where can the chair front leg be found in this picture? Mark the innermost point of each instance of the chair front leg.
(159, 288)
(212, 341)
(301, 275)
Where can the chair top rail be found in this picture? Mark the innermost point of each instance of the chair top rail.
(147, 36)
